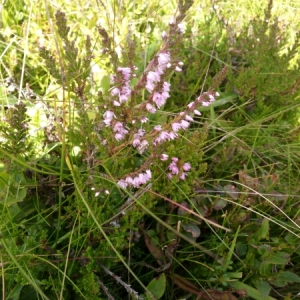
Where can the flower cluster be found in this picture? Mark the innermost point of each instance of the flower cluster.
(136, 181)
(139, 143)
(153, 80)
(176, 170)
(119, 131)
(123, 91)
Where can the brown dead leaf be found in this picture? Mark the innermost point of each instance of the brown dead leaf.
(154, 250)
(248, 181)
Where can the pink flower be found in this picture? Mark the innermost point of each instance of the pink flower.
(141, 132)
(140, 179)
(150, 86)
(122, 183)
(120, 131)
(150, 108)
(129, 180)
(164, 157)
(124, 94)
(176, 127)
(153, 76)
(184, 124)
(158, 99)
(172, 21)
(160, 69)
(108, 116)
(190, 105)
(166, 87)
(148, 174)
(172, 135)
(181, 27)
(165, 95)
(177, 69)
(144, 120)
(197, 112)
(143, 146)
(189, 118)
(182, 176)
(126, 72)
(115, 91)
(186, 167)
(164, 135)
(119, 136)
(136, 142)
(118, 127)
(173, 168)
(163, 58)
(211, 98)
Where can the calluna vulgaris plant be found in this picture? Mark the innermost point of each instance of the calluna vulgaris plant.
(130, 159)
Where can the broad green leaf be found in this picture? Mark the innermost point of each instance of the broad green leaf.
(277, 282)
(157, 286)
(279, 258)
(288, 276)
(263, 287)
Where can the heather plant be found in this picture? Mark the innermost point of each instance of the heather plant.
(108, 157)
(119, 189)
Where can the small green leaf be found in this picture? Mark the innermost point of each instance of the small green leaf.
(105, 84)
(292, 239)
(288, 276)
(262, 233)
(192, 228)
(277, 282)
(264, 267)
(279, 258)
(241, 249)
(263, 287)
(251, 292)
(157, 286)
(220, 204)
(264, 250)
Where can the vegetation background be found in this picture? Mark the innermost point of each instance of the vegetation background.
(230, 230)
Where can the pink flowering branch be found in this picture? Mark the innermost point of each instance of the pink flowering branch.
(127, 127)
